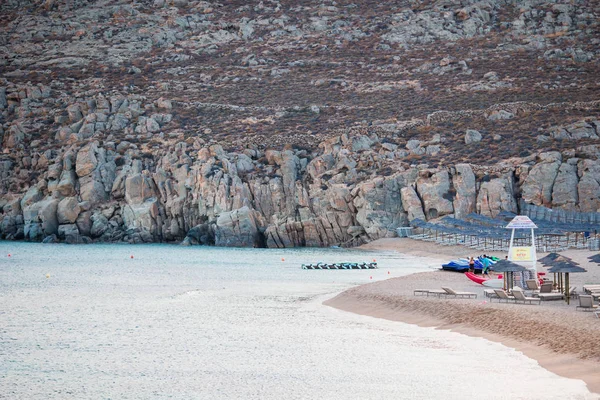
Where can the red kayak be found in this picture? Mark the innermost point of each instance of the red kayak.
(478, 279)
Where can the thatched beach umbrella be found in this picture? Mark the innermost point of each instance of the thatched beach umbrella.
(553, 259)
(511, 267)
(566, 268)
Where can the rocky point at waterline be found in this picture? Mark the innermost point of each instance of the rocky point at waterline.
(282, 125)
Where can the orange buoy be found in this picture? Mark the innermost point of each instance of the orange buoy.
(282, 259)
(132, 256)
(9, 254)
(388, 272)
(374, 260)
(370, 277)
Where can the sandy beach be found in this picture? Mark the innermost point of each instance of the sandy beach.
(553, 333)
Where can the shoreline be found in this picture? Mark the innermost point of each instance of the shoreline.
(559, 339)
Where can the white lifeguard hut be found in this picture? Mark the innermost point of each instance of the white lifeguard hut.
(523, 255)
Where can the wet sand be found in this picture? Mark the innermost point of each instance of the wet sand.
(559, 338)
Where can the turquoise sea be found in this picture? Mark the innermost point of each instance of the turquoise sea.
(91, 322)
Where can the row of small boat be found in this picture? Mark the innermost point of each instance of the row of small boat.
(346, 265)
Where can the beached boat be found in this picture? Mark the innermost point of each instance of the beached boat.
(461, 265)
(456, 266)
(493, 283)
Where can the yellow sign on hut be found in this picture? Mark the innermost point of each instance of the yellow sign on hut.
(524, 254)
(521, 254)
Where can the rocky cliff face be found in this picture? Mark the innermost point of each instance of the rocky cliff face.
(287, 125)
(350, 191)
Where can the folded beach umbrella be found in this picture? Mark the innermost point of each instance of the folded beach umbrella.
(595, 258)
(566, 268)
(510, 267)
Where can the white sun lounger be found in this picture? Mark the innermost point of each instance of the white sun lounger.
(551, 296)
(586, 303)
(451, 292)
(502, 295)
(520, 296)
(427, 292)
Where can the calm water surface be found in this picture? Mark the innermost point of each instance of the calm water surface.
(79, 322)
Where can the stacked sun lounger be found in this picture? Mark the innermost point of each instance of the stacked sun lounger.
(593, 290)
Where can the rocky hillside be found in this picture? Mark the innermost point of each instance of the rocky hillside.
(291, 123)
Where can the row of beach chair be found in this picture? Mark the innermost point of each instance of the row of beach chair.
(445, 291)
(517, 296)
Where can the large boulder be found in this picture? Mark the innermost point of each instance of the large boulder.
(433, 187)
(33, 195)
(142, 216)
(40, 219)
(47, 214)
(496, 195)
(465, 199)
(537, 187)
(67, 183)
(84, 222)
(69, 233)
(200, 234)
(99, 225)
(86, 159)
(14, 136)
(564, 191)
(578, 130)
(68, 210)
(91, 189)
(412, 204)
(589, 186)
(379, 207)
(11, 205)
(138, 188)
(472, 136)
(236, 228)
(285, 233)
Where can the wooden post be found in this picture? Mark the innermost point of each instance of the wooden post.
(567, 288)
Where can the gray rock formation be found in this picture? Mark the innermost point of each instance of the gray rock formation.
(537, 188)
(464, 182)
(237, 228)
(496, 195)
(472, 136)
(433, 188)
(564, 189)
(276, 125)
(588, 188)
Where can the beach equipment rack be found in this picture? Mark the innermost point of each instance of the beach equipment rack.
(344, 265)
